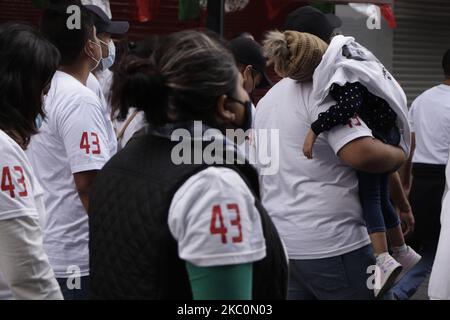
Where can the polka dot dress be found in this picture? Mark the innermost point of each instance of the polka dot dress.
(354, 99)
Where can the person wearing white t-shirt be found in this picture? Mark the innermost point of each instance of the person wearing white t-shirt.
(439, 286)
(252, 65)
(315, 204)
(106, 28)
(128, 120)
(28, 64)
(430, 119)
(73, 144)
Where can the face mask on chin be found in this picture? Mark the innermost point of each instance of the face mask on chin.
(106, 63)
(38, 121)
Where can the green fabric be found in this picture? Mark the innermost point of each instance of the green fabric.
(323, 6)
(188, 10)
(221, 283)
(40, 3)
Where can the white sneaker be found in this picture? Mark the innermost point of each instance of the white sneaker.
(407, 259)
(387, 271)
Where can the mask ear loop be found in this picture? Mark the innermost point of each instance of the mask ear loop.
(96, 61)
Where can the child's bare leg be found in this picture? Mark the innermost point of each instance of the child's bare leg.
(395, 236)
(379, 242)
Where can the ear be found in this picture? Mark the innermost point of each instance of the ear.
(223, 113)
(247, 74)
(88, 49)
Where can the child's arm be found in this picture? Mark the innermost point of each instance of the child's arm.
(349, 99)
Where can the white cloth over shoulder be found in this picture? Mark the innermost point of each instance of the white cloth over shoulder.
(439, 286)
(360, 65)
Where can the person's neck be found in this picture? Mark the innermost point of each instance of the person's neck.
(447, 82)
(79, 71)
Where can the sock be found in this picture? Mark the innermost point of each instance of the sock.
(380, 257)
(399, 250)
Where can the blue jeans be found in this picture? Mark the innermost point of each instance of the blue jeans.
(378, 211)
(74, 294)
(412, 280)
(338, 278)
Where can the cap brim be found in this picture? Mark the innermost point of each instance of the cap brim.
(334, 20)
(117, 27)
(265, 82)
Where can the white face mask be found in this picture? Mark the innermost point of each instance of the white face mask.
(108, 62)
(97, 62)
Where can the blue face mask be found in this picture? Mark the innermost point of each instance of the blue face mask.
(38, 121)
(106, 63)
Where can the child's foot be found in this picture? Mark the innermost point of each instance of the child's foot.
(387, 271)
(408, 258)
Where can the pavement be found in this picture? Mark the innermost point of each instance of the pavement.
(422, 292)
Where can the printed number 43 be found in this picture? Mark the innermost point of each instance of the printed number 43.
(8, 185)
(84, 144)
(222, 230)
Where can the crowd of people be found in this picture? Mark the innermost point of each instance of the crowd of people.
(93, 204)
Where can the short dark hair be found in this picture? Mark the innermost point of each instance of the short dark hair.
(70, 43)
(28, 62)
(446, 63)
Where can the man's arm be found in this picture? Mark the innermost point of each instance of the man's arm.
(83, 183)
(371, 155)
(400, 200)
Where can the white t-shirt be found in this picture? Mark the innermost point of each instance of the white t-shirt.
(73, 138)
(247, 148)
(94, 84)
(313, 203)
(439, 286)
(20, 192)
(105, 78)
(214, 219)
(430, 118)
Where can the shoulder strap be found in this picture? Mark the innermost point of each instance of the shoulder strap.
(125, 126)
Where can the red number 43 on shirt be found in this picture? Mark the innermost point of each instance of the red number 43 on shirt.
(217, 218)
(88, 141)
(8, 185)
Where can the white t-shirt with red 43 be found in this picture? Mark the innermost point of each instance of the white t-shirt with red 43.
(77, 136)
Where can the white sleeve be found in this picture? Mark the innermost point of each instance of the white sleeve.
(23, 261)
(341, 135)
(16, 183)
(411, 115)
(214, 220)
(85, 135)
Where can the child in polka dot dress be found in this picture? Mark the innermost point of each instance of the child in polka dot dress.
(353, 99)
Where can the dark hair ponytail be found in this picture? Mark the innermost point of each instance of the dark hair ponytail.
(186, 74)
(145, 89)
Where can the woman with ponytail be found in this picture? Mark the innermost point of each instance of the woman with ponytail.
(163, 226)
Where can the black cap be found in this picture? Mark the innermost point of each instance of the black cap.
(249, 52)
(104, 24)
(312, 20)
